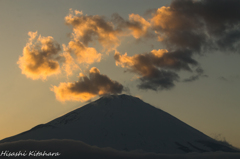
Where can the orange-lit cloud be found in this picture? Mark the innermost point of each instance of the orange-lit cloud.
(89, 28)
(84, 54)
(77, 53)
(136, 26)
(40, 57)
(87, 87)
(139, 26)
(69, 64)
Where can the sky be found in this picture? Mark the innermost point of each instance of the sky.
(179, 56)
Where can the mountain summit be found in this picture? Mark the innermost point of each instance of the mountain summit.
(125, 123)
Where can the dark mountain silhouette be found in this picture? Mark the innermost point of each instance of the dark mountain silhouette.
(126, 123)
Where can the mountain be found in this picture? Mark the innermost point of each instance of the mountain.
(125, 123)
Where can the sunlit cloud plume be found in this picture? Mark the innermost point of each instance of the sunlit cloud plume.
(87, 28)
(77, 50)
(87, 87)
(40, 57)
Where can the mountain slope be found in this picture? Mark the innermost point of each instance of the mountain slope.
(125, 123)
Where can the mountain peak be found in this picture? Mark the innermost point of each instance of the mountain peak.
(124, 122)
(118, 97)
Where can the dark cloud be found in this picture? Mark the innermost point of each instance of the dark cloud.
(77, 149)
(157, 68)
(158, 80)
(143, 63)
(230, 41)
(199, 24)
(87, 87)
(180, 60)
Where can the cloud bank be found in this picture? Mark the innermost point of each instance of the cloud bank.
(77, 149)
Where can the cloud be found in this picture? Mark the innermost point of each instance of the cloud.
(192, 78)
(84, 54)
(230, 41)
(77, 53)
(76, 149)
(196, 25)
(159, 80)
(136, 25)
(86, 29)
(69, 64)
(186, 27)
(177, 30)
(40, 57)
(157, 67)
(87, 87)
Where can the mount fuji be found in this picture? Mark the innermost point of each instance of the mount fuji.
(127, 123)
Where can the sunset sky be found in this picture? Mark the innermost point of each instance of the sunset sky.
(179, 56)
